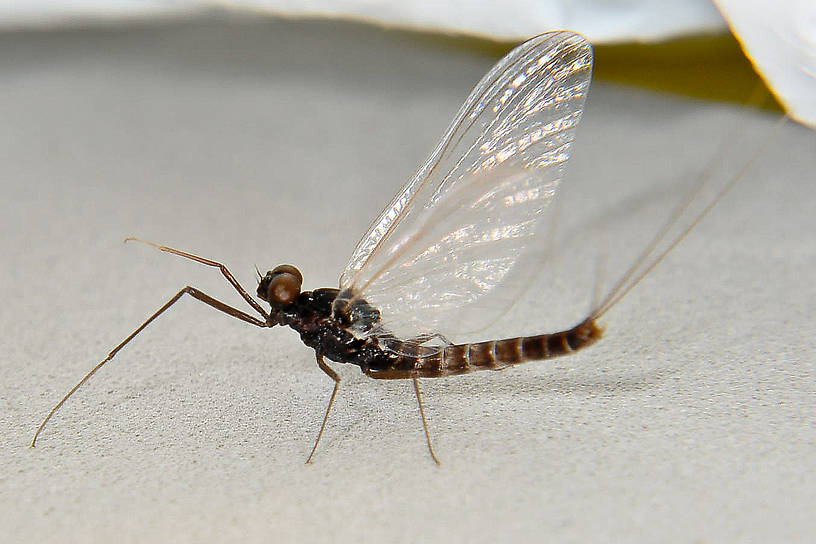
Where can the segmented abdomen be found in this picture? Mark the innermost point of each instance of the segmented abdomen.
(422, 362)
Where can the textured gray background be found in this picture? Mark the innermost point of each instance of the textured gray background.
(257, 142)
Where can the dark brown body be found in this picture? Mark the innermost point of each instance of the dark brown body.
(489, 355)
(311, 316)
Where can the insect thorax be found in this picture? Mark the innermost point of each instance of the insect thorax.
(314, 315)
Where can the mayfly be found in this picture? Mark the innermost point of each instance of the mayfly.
(451, 252)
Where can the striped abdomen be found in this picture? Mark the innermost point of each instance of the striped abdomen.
(422, 362)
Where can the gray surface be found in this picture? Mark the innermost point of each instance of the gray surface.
(262, 142)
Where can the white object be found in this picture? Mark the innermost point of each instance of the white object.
(778, 36)
(601, 21)
(780, 39)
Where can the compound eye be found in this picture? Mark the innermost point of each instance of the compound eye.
(289, 269)
(284, 288)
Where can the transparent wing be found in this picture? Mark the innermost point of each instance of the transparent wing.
(446, 256)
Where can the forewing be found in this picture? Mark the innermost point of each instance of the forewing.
(446, 256)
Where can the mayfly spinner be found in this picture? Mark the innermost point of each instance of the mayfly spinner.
(447, 255)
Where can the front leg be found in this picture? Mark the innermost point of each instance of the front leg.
(193, 292)
(208, 262)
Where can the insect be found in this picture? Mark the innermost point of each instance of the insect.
(452, 251)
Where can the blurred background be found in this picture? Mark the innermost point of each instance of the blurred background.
(680, 45)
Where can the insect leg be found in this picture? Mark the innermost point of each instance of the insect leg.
(424, 422)
(193, 292)
(423, 338)
(333, 375)
(224, 271)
